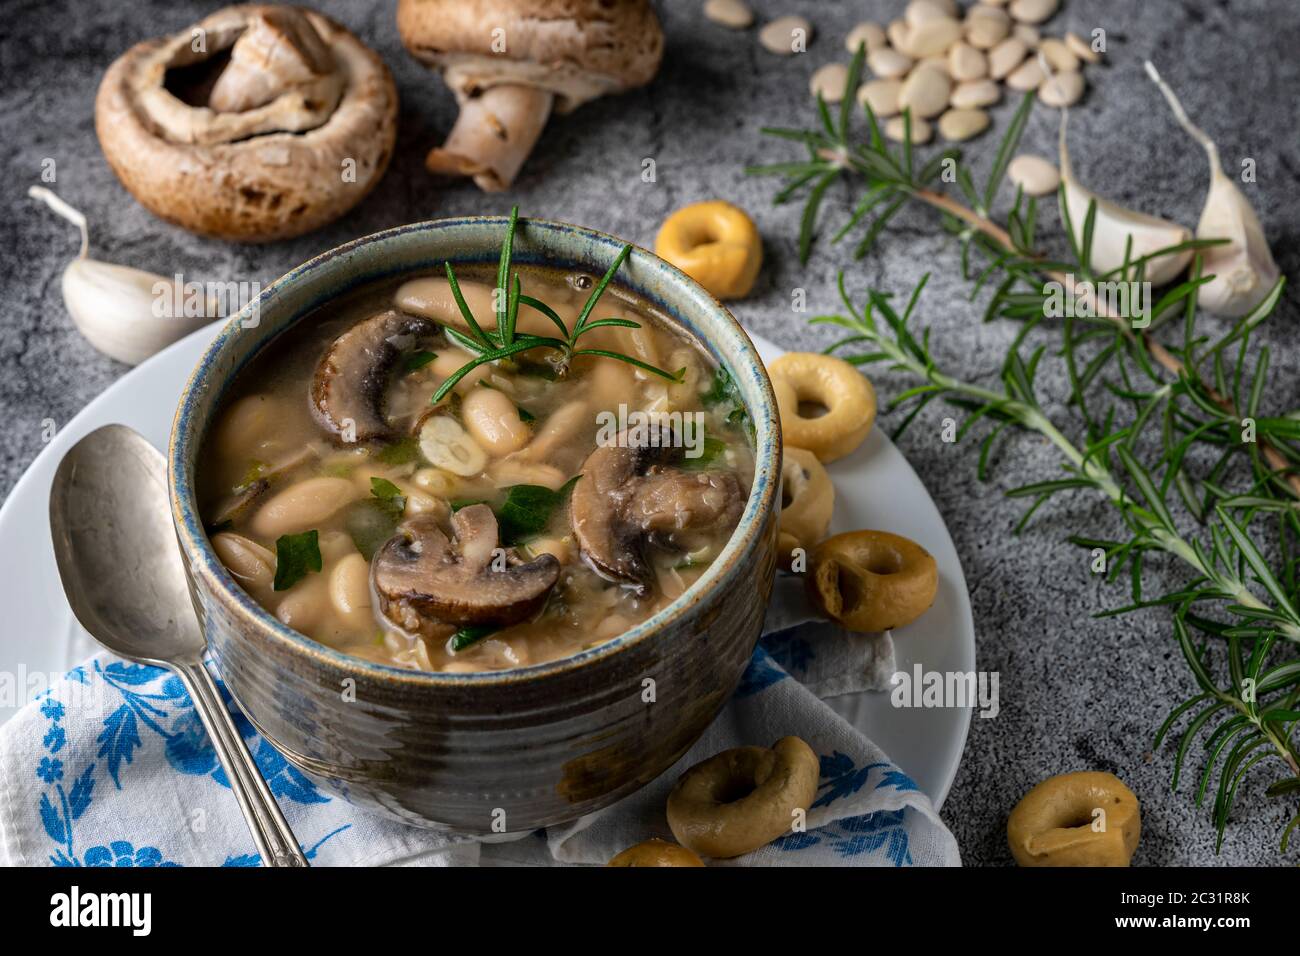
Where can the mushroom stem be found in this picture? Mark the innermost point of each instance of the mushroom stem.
(493, 136)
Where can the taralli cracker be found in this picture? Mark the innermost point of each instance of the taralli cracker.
(832, 383)
(656, 852)
(872, 580)
(807, 500)
(1086, 818)
(716, 244)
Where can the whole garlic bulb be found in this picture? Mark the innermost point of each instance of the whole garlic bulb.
(1114, 226)
(1243, 269)
(125, 313)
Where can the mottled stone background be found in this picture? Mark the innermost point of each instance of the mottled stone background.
(1076, 692)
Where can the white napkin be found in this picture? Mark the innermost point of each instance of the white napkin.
(111, 767)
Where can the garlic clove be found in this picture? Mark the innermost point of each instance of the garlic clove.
(1244, 270)
(1114, 226)
(125, 313)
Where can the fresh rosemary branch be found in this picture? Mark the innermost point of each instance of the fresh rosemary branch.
(503, 341)
(892, 179)
(1195, 396)
(1263, 696)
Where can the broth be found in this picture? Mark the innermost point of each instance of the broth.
(534, 512)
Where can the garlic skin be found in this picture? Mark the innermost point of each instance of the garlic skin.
(1243, 269)
(1114, 225)
(123, 312)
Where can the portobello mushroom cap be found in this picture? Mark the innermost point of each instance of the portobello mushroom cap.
(423, 579)
(629, 494)
(351, 377)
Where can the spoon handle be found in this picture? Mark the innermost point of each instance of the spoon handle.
(275, 841)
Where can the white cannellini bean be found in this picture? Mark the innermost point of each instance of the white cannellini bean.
(449, 361)
(986, 26)
(1033, 11)
(515, 471)
(829, 82)
(493, 421)
(888, 64)
(1058, 56)
(1028, 76)
(349, 587)
(881, 96)
(301, 506)
(1062, 89)
(249, 563)
(925, 93)
(898, 33)
(922, 131)
(933, 37)
(444, 444)
(975, 93)
(1034, 174)
(305, 603)
(1006, 56)
(919, 11)
(785, 36)
(729, 13)
(868, 33)
(966, 63)
(1081, 48)
(560, 426)
(958, 125)
(1026, 34)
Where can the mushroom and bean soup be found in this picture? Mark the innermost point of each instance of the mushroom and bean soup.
(542, 506)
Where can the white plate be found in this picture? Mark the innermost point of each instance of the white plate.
(875, 488)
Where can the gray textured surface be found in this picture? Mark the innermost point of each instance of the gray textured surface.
(1076, 692)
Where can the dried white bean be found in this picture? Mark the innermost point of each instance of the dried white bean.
(975, 93)
(966, 63)
(932, 37)
(925, 92)
(867, 33)
(939, 63)
(786, 35)
(958, 125)
(889, 64)
(1035, 175)
(1005, 57)
(986, 26)
(922, 131)
(301, 506)
(829, 81)
(1026, 34)
(1081, 48)
(1058, 56)
(729, 13)
(918, 11)
(1063, 89)
(898, 33)
(881, 96)
(1028, 76)
(1033, 11)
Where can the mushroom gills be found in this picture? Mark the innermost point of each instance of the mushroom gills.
(431, 584)
(347, 390)
(493, 135)
(629, 495)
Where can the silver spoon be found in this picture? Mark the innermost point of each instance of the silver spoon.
(121, 571)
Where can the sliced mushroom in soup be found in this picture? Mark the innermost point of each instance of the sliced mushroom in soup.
(545, 504)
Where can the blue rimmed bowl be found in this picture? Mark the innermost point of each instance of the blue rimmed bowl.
(506, 750)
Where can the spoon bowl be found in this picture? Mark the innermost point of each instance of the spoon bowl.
(121, 570)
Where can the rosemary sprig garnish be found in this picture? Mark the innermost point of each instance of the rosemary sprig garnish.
(505, 341)
(1189, 401)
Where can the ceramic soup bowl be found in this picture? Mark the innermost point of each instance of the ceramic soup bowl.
(508, 750)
